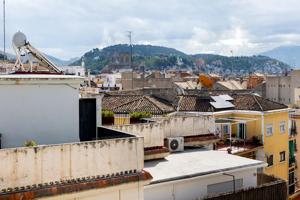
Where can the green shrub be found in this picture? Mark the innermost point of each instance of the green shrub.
(139, 115)
(107, 113)
(30, 143)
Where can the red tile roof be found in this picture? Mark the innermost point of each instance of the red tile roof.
(136, 103)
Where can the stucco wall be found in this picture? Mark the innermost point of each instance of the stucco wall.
(45, 112)
(132, 191)
(280, 89)
(43, 164)
(277, 143)
(195, 188)
(154, 133)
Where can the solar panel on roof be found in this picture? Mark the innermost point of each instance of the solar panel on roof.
(221, 102)
(226, 97)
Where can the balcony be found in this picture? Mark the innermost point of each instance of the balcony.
(269, 188)
(242, 147)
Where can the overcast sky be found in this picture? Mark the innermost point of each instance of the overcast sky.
(68, 28)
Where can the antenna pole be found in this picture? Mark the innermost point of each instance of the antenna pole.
(130, 44)
(4, 30)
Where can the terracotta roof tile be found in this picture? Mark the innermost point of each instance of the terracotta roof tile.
(243, 101)
(136, 103)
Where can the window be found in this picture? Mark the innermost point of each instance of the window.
(282, 127)
(269, 130)
(270, 160)
(282, 156)
(226, 129)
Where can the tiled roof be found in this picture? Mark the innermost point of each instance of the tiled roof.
(255, 102)
(197, 103)
(136, 103)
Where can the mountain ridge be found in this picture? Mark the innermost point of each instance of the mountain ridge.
(160, 58)
(289, 54)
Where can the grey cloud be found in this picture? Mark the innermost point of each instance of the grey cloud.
(68, 28)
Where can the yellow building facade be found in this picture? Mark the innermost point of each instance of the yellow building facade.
(271, 128)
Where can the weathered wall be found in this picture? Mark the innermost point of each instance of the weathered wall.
(196, 188)
(132, 191)
(43, 164)
(280, 89)
(154, 133)
(45, 111)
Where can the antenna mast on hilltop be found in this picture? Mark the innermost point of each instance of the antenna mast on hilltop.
(130, 44)
(4, 53)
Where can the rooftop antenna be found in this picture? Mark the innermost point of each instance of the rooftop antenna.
(4, 53)
(130, 45)
(231, 52)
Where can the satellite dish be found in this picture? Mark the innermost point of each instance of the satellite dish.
(19, 39)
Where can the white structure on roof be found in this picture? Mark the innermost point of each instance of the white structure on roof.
(222, 101)
(43, 108)
(196, 174)
(74, 70)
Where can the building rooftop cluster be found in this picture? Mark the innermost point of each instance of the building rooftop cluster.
(131, 135)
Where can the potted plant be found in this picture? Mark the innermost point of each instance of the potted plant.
(107, 117)
(136, 117)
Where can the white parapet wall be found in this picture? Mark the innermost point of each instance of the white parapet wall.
(48, 163)
(43, 108)
(174, 126)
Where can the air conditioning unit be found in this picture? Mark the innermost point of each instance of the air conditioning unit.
(175, 144)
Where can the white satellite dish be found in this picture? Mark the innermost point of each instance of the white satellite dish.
(19, 39)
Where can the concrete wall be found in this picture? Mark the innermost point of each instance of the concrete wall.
(154, 133)
(46, 111)
(43, 164)
(132, 191)
(280, 89)
(196, 188)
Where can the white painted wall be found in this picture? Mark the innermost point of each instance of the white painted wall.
(132, 191)
(196, 188)
(39, 108)
(154, 133)
(49, 163)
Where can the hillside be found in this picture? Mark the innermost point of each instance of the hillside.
(160, 58)
(287, 54)
(241, 64)
(57, 61)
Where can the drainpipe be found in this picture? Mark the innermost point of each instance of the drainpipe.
(233, 179)
(262, 127)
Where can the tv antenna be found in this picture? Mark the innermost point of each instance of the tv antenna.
(130, 45)
(4, 53)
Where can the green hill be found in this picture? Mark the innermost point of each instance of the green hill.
(160, 58)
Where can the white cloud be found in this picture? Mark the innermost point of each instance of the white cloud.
(68, 28)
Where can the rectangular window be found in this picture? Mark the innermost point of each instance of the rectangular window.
(270, 160)
(226, 129)
(269, 129)
(282, 156)
(282, 126)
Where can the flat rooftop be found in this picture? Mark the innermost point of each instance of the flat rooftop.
(194, 163)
